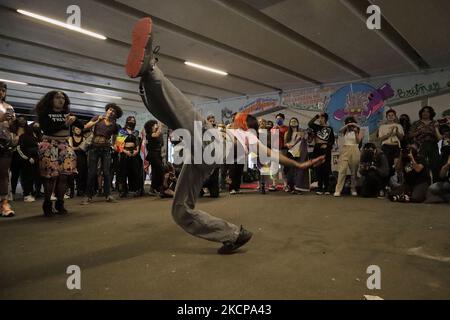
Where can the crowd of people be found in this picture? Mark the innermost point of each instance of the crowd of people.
(58, 156)
(406, 162)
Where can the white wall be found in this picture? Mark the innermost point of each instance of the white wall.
(439, 104)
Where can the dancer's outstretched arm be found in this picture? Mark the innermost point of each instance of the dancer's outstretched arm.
(287, 161)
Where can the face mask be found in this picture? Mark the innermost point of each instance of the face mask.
(280, 122)
(131, 125)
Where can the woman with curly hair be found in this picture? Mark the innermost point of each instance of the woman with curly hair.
(425, 134)
(57, 160)
(104, 130)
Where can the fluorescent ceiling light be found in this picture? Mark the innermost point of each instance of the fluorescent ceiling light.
(62, 24)
(14, 82)
(103, 95)
(199, 66)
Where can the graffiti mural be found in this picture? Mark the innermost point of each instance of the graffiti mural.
(361, 101)
(259, 105)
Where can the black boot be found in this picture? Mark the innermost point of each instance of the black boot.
(59, 206)
(47, 207)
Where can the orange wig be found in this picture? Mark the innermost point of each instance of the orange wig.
(240, 121)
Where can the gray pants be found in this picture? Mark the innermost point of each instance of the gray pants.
(438, 192)
(171, 107)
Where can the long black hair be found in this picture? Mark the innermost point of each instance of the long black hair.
(45, 105)
(148, 127)
(15, 124)
(290, 131)
(347, 121)
(430, 110)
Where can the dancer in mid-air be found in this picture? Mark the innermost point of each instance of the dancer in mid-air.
(172, 108)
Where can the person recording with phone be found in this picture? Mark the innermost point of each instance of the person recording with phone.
(349, 156)
(413, 176)
(440, 191)
(374, 170)
(324, 141)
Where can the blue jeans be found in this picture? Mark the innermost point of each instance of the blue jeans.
(94, 155)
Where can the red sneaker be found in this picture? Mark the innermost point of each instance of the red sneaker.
(6, 209)
(141, 48)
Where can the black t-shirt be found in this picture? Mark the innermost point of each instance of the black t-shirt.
(324, 133)
(414, 178)
(75, 143)
(53, 122)
(103, 130)
(154, 145)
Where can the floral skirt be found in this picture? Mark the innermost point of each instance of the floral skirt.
(56, 158)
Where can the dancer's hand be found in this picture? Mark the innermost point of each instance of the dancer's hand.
(318, 161)
(312, 163)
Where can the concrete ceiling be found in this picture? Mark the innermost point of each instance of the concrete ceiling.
(264, 45)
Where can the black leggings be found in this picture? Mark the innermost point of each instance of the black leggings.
(16, 169)
(129, 175)
(236, 171)
(372, 184)
(323, 171)
(5, 163)
(29, 176)
(156, 164)
(58, 184)
(391, 152)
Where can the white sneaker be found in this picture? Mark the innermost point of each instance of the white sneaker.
(337, 194)
(354, 193)
(29, 199)
(233, 192)
(53, 198)
(66, 196)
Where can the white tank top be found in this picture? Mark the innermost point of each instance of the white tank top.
(350, 139)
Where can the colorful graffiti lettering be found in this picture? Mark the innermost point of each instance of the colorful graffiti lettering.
(261, 104)
(418, 90)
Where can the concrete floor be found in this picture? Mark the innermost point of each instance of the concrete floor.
(304, 247)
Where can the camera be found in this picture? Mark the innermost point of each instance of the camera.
(405, 155)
